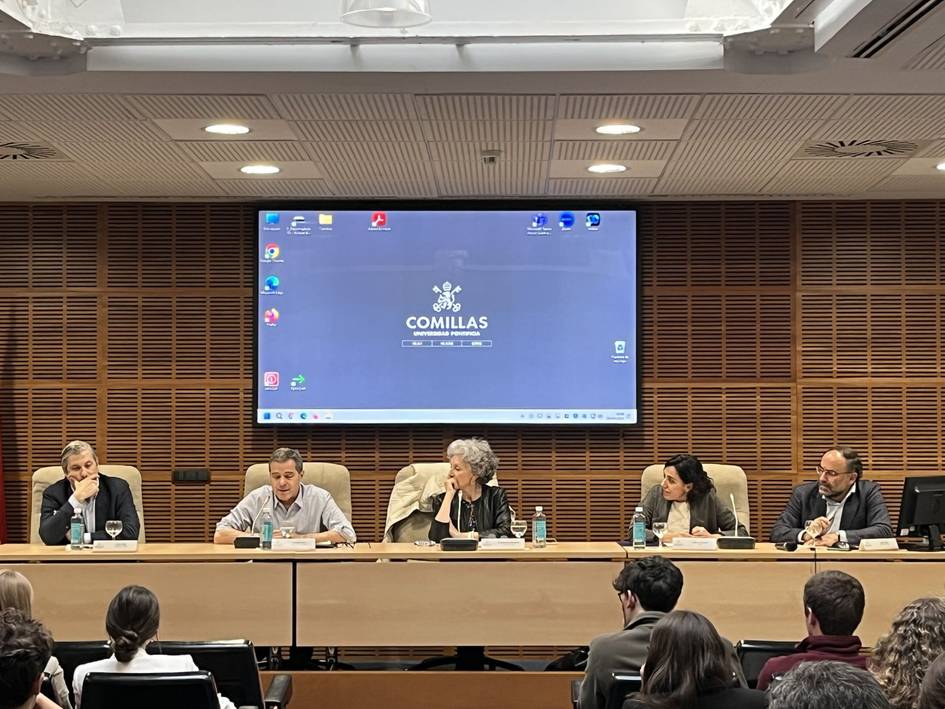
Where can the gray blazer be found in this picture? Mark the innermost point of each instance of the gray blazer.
(709, 512)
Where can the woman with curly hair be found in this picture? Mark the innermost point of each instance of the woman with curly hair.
(902, 656)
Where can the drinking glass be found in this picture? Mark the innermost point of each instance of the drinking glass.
(286, 531)
(113, 527)
(519, 527)
(659, 529)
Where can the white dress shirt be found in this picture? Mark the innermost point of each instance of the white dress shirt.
(141, 663)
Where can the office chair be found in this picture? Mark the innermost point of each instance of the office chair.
(233, 666)
(73, 654)
(753, 654)
(624, 685)
(108, 690)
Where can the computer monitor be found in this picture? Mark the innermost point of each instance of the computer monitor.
(923, 509)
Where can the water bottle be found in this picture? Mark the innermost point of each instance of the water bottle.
(539, 528)
(639, 529)
(76, 531)
(265, 539)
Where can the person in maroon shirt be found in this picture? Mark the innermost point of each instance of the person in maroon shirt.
(833, 608)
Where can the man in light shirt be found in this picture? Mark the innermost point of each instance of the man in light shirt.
(97, 497)
(839, 507)
(309, 509)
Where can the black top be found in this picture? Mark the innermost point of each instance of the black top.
(113, 501)
(489, 515)
(732, 698)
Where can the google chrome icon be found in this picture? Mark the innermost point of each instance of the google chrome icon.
(271, 251)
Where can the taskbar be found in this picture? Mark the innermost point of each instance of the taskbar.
(490, 416)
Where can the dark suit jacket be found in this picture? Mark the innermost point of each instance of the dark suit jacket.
(625, 651)
(114, 501)
(864, 514)
(709, 512)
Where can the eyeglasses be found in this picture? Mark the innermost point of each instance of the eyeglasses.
(832, 474)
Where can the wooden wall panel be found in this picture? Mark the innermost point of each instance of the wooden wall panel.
(770, 331)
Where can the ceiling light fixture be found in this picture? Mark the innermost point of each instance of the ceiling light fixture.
(940, 166)
(618, 129)
(259, 169)
(386, 13)
(227, 129)
(607, 168)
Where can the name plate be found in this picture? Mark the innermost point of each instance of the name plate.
(695, 544)
(502, 543)
(886, 544)
(293, 544)
(115, 545)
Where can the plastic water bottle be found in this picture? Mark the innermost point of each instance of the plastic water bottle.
(265, 539)
(76, 531)
(639, 529)
(539, 528)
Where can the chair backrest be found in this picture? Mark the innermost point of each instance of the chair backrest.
(110, 690)
(728, 479)
(328, 476)
(753, 654)
(73, 654)
(231, 662)
(44, 477)
(624, 685)
(416, 526)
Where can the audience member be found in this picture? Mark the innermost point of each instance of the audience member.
(16, 592)
(833, 608)
(96, 496)
(132, 622)
(932, 690)
(827, 685)
(687, 502)
(840, 506)
(309, 509)
(25, 648)
(902, 656)
(686, 668)
(483, 510)
(647, 590)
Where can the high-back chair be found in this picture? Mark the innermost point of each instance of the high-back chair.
(753, 654)
(233, 666)
(407, 519)
(329, 476)
(108, 690)
(44, 477)
(728, 479)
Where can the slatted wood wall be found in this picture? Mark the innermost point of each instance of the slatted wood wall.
(770, 332)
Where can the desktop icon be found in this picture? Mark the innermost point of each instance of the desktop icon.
(592, 220)
(298, 381)
(566, 220)
(271, 380)
(271, 284)
(298, 219)
(271, 251)
(271, 316)
(379, 219)
(539, 220)
(272, 217)
(620, 347)
(325, 219)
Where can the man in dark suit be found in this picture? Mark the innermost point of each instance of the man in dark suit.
(98, 497)
(840, 505)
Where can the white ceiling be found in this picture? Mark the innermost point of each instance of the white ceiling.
(727, 115)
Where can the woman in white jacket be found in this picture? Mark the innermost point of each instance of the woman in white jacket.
(132, 622)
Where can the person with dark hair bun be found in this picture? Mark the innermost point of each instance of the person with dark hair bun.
(687, 502)
(132, 622)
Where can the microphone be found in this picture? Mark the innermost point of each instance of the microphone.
(786, 546)
(736, 541)
(459, 511)
(731, 497)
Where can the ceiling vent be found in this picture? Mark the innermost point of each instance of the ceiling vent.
(859, 149)
(29, 151)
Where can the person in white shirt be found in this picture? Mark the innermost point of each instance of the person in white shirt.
(132, 622)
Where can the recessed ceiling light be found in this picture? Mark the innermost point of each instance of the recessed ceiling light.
(227, 129)
(618, 129)
(259, 169)
(606, 168)
(940, 166)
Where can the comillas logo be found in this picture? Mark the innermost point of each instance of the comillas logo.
(443, 325)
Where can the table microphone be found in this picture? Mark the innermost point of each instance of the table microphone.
(736, 541)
